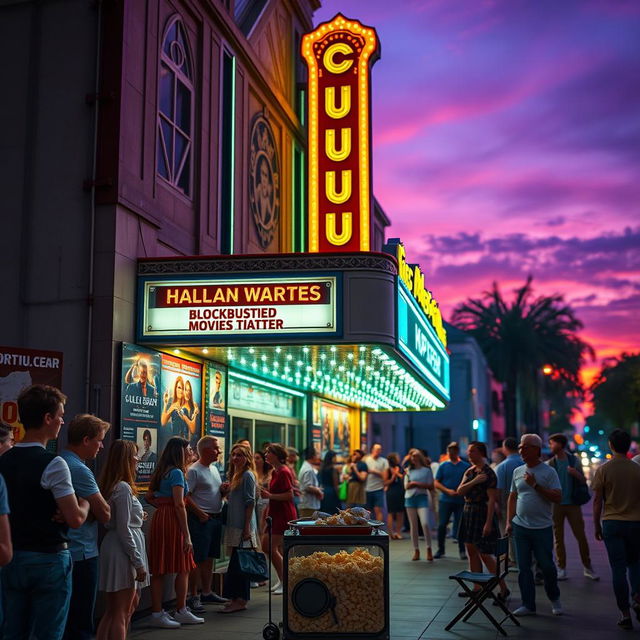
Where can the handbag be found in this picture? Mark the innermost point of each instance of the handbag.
(343, 490)
(252, 564)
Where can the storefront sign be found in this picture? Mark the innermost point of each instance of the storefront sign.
(413, 278)
(19, 369)
(248, 396)
(417, 339)
(339, 55)
(231, 309)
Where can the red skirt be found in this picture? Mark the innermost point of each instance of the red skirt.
(166, 542)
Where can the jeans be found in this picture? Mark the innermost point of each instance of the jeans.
(84, 579)
(622, 539)
(37, 590)
(538, 544)
(445, 511)
(236, 584)
(573, 513)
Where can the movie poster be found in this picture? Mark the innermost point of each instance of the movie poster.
(336, 432)
(19, 369)
(140, 405)
(217, 409)
(181, 400)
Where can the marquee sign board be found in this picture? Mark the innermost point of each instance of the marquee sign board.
(339, 55)
(232, 308)
(418, 341)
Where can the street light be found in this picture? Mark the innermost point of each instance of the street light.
(547, 369)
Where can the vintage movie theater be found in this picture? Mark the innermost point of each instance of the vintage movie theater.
(206, 254)
(295, 347)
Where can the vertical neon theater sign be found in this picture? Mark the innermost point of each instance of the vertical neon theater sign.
(339, 55)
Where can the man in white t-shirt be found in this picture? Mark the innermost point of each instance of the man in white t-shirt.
(311, 493)
(204, 502)
(535, 487)
(43, 506)
(378, 470)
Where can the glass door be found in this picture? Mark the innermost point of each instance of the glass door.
(266, 432)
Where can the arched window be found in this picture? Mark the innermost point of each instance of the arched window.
(175, 108)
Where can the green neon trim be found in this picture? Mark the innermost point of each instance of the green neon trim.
(233, 157)
(264, 383)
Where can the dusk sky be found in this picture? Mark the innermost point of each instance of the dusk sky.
(506, 140)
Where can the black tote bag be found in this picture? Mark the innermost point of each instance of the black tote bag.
(253, 564)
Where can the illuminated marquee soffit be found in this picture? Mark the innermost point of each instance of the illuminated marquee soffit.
(339, 55)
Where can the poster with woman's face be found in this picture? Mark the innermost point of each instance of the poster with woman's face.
(180, 400)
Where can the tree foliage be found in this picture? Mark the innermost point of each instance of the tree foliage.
(518, 338)
(616, 391)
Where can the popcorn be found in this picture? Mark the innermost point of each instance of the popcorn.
(355, 579)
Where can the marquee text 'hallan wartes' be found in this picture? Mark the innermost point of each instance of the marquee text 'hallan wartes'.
(241, 295)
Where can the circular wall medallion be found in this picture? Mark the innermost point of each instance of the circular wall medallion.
(264, 180)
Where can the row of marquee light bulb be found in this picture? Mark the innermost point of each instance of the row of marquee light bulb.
(368, 385)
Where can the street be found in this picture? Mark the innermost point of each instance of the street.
(423, 600)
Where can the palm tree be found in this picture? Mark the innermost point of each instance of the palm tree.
(616, 390)
(518, 339)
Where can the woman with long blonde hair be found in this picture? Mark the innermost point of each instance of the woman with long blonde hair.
(170, 548)
(241, 528)
(172, 408)
(190, 412)
(123, 557)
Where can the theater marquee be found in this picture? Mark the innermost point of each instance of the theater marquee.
(339, 55)
(232, 308)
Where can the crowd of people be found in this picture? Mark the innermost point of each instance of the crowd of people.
(52, 508)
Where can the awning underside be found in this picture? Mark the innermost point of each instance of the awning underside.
(373, 377)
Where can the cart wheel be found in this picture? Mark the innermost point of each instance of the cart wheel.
(271, 631)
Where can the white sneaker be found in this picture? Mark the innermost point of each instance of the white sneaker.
(556, 608)
(523, 611)
(163, 621)
(590, 573)
(276, 586)
(186, 617)
(254, 585)
(278, 591)
(562, 575)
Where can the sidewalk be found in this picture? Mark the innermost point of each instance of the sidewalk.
(423, 600)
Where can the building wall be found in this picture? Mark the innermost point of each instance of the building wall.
(46, 149)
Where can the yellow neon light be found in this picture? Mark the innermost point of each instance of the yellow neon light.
(330, 102)
(330, 187)
(339, 23)
(329, 54)
(335, 238)
(330, 144)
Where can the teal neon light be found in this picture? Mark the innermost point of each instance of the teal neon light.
(419, 342)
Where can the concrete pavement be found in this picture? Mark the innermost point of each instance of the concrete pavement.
(423, 600)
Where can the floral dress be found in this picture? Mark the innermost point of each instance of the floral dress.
(474, 514)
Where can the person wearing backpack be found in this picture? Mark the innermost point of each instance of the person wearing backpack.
(574, 495)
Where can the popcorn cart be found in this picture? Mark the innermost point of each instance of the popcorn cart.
(336, 581)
